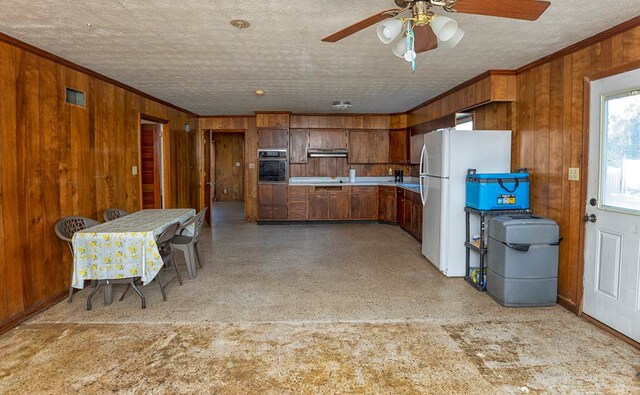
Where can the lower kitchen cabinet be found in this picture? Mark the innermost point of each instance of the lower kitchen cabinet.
(409, 212)
(328, 203)
(387, 204)
(272, 202)
(364, 203)
(297, 203)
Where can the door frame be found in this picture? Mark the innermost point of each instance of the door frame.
(583, 187)
(165, 142)
(207, 153)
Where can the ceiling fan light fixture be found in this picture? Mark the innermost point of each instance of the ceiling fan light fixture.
(453, 41)
(389, 30)
(400, 48)
(444, 28)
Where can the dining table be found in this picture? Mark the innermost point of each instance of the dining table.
(124, 248)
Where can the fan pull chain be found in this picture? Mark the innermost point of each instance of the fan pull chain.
(411, 46)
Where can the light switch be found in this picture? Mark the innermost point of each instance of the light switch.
(237, 164)
(252, 165)
(134, 170)
(574, 174)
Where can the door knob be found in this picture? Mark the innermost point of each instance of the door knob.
(590, 218)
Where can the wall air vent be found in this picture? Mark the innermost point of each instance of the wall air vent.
(76, 98)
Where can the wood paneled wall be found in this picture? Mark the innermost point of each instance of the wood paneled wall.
(551, 137)
(239, 124)
(58, 159)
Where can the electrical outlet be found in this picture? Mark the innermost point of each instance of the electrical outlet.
(574, 174)
(237, 164)
(252, 165)
(134, 170)
(225, 191)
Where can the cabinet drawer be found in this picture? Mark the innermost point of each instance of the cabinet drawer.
(298, 206)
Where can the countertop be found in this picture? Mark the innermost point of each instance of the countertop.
(410, 183)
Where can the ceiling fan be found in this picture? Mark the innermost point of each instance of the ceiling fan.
(424, 28)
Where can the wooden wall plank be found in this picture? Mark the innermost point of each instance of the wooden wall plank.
(12, 181)
(5, 54)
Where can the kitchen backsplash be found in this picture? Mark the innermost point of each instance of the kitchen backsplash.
(338, 167)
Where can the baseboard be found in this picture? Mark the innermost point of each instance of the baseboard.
(33, 310)
(611, 331)
(568, 304)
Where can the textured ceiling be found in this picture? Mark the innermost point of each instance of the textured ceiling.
(186, 52)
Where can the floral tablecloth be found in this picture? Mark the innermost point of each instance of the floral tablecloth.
(123, 248)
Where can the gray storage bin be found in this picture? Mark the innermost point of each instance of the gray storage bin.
(522, 260)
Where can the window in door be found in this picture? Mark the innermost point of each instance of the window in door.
(620, 155)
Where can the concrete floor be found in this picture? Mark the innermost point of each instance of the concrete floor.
(312, 309)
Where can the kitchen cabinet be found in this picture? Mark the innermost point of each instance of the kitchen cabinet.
(272, 202)
(364, 203)
(368, 146)
(273, 138)
(417, 141)
(387, 204)
(400, 206)
(409, 212)
(298, 144)
(398, 146)
(328, 203)
(328, 139)
(297, 203)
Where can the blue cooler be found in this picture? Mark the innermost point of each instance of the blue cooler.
(498, 191)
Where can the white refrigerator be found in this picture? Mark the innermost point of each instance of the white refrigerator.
(446, 156)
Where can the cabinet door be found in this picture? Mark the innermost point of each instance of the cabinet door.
(398, 146)
(273, 138)
(418, 214)
(318, 205)
(387, 204)
(339, 206)
(265, 194)
(279, 193)
(327, 139)
(378, 146)
(298, 143)
(408, 213)
(364, 205)
(358, 147)
(400, 207)
(417, 142)
(368, 146)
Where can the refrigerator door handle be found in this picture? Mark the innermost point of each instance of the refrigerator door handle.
(422, 158)
(423, 190)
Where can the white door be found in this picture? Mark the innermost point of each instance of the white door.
(612, 236)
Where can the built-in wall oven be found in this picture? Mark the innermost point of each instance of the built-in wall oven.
(272, 165)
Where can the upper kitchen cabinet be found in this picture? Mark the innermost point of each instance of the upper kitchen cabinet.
(368, 146)
(398, 146)
(328, 139)
(417, 141)
(298, 144)
(367, 121)
(273, 138)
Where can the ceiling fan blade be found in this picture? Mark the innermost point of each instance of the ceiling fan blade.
(529, 10)
(426, 39)
(363, 24)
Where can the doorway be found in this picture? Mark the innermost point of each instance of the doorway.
(612, 233)
(152, 188)
(225, 168)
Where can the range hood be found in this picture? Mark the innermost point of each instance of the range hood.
(328, 153)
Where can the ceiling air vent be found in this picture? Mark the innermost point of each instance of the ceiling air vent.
(341, 105)
(76, 98)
